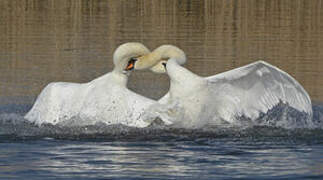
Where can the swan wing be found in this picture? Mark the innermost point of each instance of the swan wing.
(56, 102)
(258, 87)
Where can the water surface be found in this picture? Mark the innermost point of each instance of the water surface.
(157, 152)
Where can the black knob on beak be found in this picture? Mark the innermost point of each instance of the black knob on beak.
(164, 64)
(133, 59)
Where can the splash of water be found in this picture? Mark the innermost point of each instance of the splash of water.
(281, 121)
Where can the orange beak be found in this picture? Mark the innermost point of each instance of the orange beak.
(131, 64)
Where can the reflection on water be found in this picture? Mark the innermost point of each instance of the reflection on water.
(198, 158)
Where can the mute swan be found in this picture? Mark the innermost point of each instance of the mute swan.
(248, 91)
(104, 99)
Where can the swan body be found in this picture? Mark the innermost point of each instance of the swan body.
(105, 99)
(247, 92)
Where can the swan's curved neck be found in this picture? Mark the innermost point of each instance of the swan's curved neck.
(119, 77)
(182, 79)
(166, 52)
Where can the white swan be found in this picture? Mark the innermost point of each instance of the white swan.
(105, 99)
(193, 101)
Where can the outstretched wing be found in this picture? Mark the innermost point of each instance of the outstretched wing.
(258, 87)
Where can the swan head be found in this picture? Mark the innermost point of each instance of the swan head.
(125, 56)
(157, 60)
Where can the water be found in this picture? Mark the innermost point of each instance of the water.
(203, 158)
(156, 152)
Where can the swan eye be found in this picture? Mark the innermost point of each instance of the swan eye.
(131, 64)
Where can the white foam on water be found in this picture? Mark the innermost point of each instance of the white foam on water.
(281, 120)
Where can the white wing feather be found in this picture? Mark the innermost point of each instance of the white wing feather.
(258, 87)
